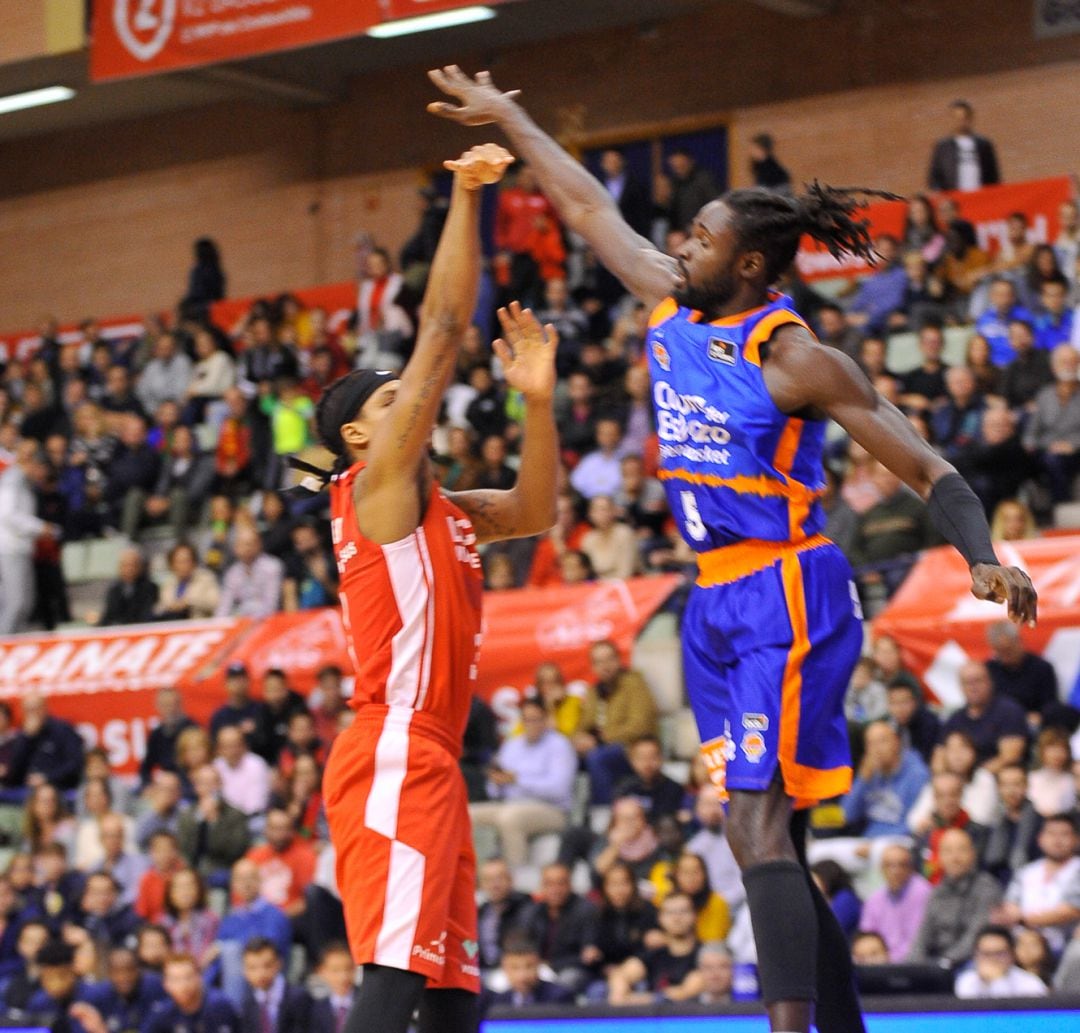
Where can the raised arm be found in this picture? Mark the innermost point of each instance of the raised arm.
(582, 203)
(388, 505)
(801, 375)
(527, 352)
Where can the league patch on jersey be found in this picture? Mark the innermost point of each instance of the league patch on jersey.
(662, 356)
(755, 722)
(723, 351)
(753, 746)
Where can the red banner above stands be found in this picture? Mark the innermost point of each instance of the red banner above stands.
(337, 300)
(939, 624)
(140, 37)
(988, 209)
(104, 680)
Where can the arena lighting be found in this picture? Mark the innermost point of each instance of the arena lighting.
(34, 99)
(435, 20)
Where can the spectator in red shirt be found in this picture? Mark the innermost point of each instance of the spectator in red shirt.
(327, 704)
(286, 863)
(165, 861)
(522, 216)
(232, 458)
(564, 537)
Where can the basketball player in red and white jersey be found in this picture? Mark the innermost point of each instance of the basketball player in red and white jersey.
(411, 589)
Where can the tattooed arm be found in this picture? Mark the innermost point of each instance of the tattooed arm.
(391, 491)
(527, 351)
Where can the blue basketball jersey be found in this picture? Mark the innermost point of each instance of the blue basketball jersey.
(733, 465)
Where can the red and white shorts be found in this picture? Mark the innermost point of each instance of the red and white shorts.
(398, 813)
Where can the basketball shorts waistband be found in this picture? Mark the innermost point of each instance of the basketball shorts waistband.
(733, 562)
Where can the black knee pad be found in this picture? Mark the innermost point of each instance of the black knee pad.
(785, 930)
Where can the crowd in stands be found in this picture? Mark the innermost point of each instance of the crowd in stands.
(188, 897)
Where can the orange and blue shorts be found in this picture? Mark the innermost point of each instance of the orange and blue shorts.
(771, 634)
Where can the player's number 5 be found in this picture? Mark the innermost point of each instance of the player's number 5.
(695, 526)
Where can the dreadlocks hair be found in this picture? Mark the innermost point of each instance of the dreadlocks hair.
(774, 223)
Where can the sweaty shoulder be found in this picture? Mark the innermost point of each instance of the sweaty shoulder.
(802, 373)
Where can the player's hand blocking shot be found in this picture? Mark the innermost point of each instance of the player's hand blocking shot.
(742, 394)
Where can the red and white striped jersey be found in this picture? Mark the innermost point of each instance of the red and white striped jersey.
(411, 609)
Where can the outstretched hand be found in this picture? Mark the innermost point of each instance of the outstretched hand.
(481, 165)
(1008, 585)
(527, 352)
(481, 101)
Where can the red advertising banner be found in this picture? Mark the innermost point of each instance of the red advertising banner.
(521, 630)
(940, 625)
(140, 37)
(987, 209)
(104, 680)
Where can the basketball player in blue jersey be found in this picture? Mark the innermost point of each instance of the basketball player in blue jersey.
(742, 392)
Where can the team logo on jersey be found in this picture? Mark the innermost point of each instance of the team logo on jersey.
(753, 746)
(723, 351)
(718, 753)
(662, 356)
(435, 952)
(755, 722)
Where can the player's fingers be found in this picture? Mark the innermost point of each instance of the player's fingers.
(509, 327)
(502, 352)
(439, 77)
(551, 334)
(484, 77)
(441, 107)
(512, 94)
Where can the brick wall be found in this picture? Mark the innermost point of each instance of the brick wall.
(101, 220)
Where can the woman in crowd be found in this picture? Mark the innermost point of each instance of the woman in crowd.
(189, 590)
(97, 802)
(1051, 785)
(1012, 522)
(977, 359)
(191, 925)
(213, 374)
(690, 876)
(193, 750)
(980, 795)
(302, 799)
(47, 820)
(921, 230)
(622, 922)
(835, 885)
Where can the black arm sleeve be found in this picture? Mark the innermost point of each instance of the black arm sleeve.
(958, 515)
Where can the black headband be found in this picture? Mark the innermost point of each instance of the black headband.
(354, 393)
(350, 395)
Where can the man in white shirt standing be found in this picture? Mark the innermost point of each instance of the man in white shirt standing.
(20, 529)
(963, 160)
(995, 972)
(1045, 894)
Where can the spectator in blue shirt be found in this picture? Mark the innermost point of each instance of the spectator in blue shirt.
(249, 915)
(1054, 322)
(127, 999)
(59, 990)
(45, 750)
(883, 293)
(191, 1008)
(993, 324)
(239, 709)
(890, 779)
